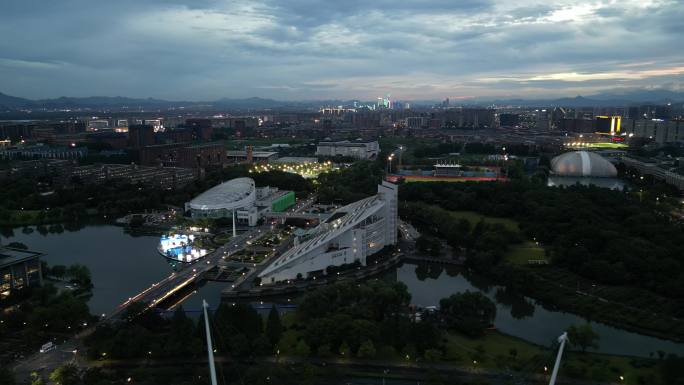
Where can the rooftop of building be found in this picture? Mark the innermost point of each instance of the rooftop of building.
(256, 154)
(297, 159)
(225, 195)
(340, 221)
(347, 143)
(10, 256)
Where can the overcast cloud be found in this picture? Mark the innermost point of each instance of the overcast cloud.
(308, 49)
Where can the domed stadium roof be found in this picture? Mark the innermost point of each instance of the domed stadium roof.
(234, 194)
(582, 163)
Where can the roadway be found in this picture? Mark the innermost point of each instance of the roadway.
(157, 293)
(408, 232)
(153, 295)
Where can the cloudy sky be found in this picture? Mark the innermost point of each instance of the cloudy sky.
(310, 49)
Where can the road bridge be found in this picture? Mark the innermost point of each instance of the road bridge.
(158, 292)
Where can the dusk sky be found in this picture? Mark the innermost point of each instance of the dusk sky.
(307, 49)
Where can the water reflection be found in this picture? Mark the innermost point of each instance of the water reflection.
(122, 265)
(520, 306)
(520, 316)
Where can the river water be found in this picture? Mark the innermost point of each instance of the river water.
(122, 265)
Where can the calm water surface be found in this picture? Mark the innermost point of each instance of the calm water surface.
(123, 265)
(522, 317)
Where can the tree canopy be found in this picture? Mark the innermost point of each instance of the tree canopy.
(469, 312)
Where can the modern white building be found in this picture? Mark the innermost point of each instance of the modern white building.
(350, 234)
(356, 149)
(239, 199)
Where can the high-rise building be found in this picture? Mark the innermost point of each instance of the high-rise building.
(509, 120)
(608, 124)
(140, 135)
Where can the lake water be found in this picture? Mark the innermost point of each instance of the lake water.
(519, 316)
(123, 265)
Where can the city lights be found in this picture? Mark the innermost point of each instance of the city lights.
(306, 169)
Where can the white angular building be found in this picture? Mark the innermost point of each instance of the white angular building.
(350, 234)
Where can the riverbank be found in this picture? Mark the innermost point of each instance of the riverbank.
(22, 218)
(623, 307)
(508, 257)
(493, 355)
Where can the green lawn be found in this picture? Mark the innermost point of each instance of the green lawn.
(223, 238)
(521, 254)
(474, 217)
(500, 351)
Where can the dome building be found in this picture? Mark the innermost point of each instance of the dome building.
(240, 200)
(582, 164)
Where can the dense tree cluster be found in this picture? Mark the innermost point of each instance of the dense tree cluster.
(22, 201)
(470, 313)
(432, 151)
(583, 337)
(350, 318)
(237, 330)
(600, 234)
(77, 274)
(146, 334)
(484, 243)
(41, 314)
(350, 184)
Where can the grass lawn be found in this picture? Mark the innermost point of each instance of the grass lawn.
(503, 352)
(474, 217)
(499, 351)
(21, 217)
(521, 254)
(223, 238)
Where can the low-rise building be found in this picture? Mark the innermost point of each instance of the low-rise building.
(19, 269)
(356, 149)
(240, 199)
(162, 177)
(241, 156)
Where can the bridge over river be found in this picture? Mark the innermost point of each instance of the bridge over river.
(160, 291)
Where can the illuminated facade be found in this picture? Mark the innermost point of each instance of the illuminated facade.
(19, 269)
(240, 199)
(609, 124)
(349, 235)
(582, 164)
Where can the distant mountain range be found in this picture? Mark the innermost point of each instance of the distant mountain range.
(607, 99)
(8, 102)
(13, 103)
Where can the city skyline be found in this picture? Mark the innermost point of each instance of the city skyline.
(306, 50)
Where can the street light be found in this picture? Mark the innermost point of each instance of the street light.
(389, 164)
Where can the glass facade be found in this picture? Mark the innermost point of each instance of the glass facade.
(19, 270)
